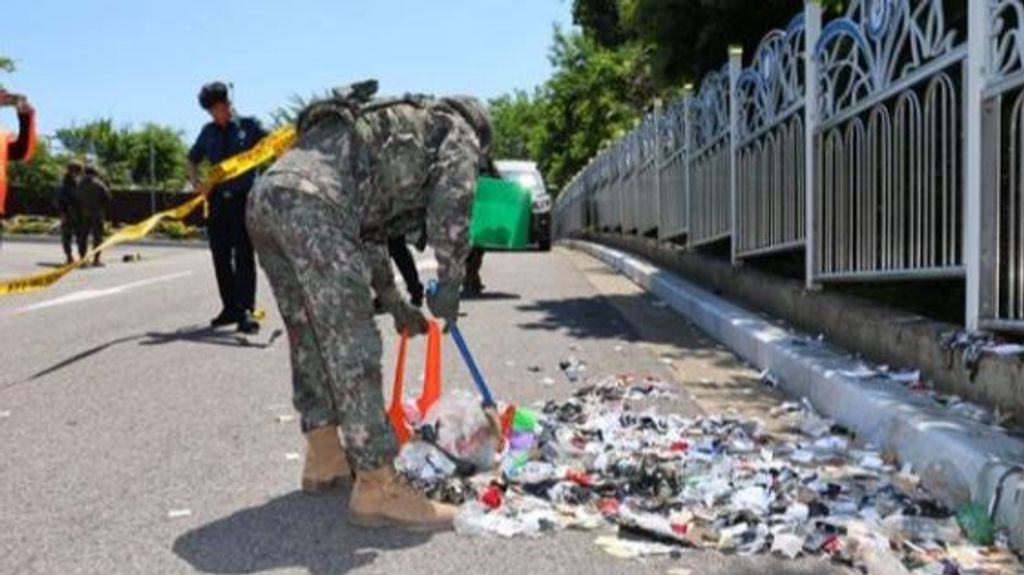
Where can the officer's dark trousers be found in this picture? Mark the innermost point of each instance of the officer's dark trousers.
(69, 232)
(233, 258)
(90, 225)
(400, 253)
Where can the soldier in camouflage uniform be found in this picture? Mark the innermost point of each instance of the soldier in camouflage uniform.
(363, 170)
(93, 199)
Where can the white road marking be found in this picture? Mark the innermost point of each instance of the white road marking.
(89, 294)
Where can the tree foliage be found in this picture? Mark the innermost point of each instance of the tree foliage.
(624, 55)
(516, 120)
(40, 174)
(126, 154)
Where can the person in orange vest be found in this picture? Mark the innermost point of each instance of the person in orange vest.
(15, 148)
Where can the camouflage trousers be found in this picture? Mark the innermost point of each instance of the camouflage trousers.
(310, 249)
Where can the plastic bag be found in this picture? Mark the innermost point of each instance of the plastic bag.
(463, 430)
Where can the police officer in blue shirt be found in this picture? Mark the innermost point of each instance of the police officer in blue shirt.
(233, 260)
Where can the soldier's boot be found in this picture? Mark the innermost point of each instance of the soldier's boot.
(326, 467)
(381, 499)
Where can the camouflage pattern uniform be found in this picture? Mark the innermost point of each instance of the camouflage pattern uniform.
(93, 198)
(320, 218)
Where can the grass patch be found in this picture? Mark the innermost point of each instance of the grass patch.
(32, 225)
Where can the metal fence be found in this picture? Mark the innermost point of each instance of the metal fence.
(770, 148)
(1002, 294)
(886, 144)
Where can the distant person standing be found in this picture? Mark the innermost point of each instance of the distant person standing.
(70, 211)
(93, 200)
(233, 260)
(19, 148)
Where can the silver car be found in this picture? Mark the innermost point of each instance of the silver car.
(527, 175)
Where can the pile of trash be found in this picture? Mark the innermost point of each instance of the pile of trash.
(667, 483)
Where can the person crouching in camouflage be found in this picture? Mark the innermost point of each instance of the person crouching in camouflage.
(364, 170)
(94, 199)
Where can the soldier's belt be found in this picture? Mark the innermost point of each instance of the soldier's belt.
(274, 144)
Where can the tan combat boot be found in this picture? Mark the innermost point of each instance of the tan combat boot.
(326, 466)
(381, 499)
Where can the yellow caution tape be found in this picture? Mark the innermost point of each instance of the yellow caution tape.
(274, 144)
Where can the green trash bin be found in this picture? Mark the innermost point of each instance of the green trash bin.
(501, 215)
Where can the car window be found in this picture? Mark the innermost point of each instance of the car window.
(527, 179)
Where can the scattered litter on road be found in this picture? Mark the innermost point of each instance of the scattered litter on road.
(285, 418)
(666, 484)
(770, 379)
(179, 513)
(547, 381)
(292, 456)
(573, 368)
(534, 369)
(5, 414)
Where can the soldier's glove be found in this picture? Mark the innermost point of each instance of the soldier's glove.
(408, 319)
(443, 301)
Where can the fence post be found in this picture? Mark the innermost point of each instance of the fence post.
(687, 152)
(657, 166)
(735, 67)
(812, 33)
(974, 84)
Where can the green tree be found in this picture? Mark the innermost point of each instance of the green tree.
(595, 95)
(39, 175)
(687, 38)
(124, 153)
(516, 119)
(168, 156)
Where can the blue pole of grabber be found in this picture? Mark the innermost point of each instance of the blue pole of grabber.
(467, 356)
(478, 378)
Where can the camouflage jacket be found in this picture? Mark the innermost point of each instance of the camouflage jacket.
(401, 163)
(93, 196)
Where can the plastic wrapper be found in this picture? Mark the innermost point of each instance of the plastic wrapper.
(463, 430)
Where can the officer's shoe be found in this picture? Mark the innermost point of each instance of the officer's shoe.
(326, 467)
(226, 317)
(247, 323)
(416, 297)
(381, 499)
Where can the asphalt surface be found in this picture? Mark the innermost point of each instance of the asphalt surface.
(136, 440)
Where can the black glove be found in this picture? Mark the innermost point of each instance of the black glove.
(408, 319)
(443, 301)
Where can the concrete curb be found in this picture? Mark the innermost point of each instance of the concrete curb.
(958, 459)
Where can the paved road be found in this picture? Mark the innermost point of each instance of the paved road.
(135, 440)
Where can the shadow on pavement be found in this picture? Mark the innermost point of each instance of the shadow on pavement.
(205, 335)
(209, 335)
(76, 358)
(291, 531)
(490, 296)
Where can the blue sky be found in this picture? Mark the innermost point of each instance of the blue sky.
(137, 61)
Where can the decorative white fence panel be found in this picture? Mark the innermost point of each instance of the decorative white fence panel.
(887, 144)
